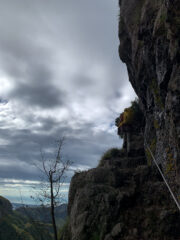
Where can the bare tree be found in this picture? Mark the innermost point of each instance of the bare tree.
(54, 171)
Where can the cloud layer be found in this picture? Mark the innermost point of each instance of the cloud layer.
(60, 75)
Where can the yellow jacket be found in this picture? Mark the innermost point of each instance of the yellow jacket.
(127, 117)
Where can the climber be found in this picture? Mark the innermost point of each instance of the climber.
(126, 119)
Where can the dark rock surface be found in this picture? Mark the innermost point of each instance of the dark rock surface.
(121, 200)
(149, 32)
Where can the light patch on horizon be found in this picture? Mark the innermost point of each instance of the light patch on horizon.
(24, 190)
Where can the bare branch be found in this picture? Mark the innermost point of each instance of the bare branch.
(55, 172)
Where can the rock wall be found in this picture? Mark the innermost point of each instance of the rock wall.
(121, 199)
(149, 32)
(124, 198)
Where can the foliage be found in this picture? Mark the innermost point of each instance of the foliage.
(64, 232)
(109, 154)
(42, 214)
(5, 206)
(18, 227)
(137, 112)
(132, 117)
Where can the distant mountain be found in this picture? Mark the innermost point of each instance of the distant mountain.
(43, 214)
(18, 227)
(27, 223)
(5, 207)
(18, 205)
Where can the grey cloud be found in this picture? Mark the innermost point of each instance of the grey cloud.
(39, 38)
(18, 172)
(42, 94)
(82, 147)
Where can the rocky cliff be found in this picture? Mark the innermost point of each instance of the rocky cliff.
(149, 32)
(125, 197)
(121, 199)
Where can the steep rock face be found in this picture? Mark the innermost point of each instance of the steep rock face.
(149, 32)
(121, 199)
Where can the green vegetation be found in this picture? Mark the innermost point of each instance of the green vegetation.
(131, 117)
(26, 223)
(5, 207)
(63, 232)
(109, 154)
(136, 109)
(17, 227)
(42, 214)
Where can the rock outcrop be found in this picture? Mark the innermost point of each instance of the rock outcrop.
(124, 197)
(130, 125)
(121, 199)
(149, 32)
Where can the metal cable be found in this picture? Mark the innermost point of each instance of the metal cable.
(172, 194)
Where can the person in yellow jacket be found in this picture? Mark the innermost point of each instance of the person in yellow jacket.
(126, 117)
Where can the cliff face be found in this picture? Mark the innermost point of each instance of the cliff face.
(124, 197)
(121, 199)
(149, 32)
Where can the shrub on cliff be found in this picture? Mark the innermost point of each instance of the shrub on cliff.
(110, 154)
(132, 119)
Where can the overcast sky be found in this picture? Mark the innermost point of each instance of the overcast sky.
(60, 75)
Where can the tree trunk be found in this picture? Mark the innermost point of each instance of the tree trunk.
(52, 210)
